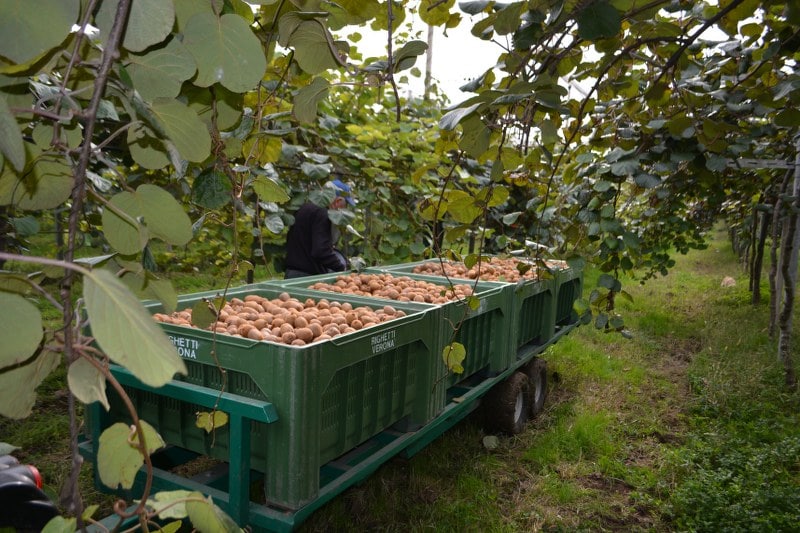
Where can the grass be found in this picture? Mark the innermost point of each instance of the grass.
(687, 426)
(637, 434)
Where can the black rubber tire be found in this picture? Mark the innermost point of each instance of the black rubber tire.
(506, 406)
(536, 371)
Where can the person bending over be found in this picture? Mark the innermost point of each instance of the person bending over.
(310, 241)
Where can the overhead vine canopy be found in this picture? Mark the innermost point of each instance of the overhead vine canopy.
(611, 114)
(612, 127)
(637, 110)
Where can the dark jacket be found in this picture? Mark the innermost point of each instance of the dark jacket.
(309, 243)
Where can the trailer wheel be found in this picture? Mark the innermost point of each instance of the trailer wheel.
(506, 406)
(536, 371)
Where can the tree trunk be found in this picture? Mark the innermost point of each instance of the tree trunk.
(775, 281)
(789, 274)
(789, 260)
(758, 262)
(5, 232)
(428, 65)
(744, 252)
(753, 247)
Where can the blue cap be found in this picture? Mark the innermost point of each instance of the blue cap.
(343, 190)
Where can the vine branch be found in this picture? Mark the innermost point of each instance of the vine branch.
(70, 496)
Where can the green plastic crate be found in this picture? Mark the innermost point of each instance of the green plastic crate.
(568, 288)
(485, 331)
(534, 312)
(330, 396)
(532, 303)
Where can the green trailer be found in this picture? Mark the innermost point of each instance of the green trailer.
(308, 422)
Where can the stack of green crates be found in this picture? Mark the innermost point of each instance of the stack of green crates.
(330, 396)
(484, 330)
(532, 305)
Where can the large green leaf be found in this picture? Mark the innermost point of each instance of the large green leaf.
(14, 282)
(647, 181)
(186, 9)
(6, 448)
(21, 336)
(146, 148)
(361, 10)
(316, 171)
(10, 137)
(744, 10)
(226, 51)
(211, 189)
(71, 135)
(29, 30)
(508, 18)
(202, 314)
(161, 71)
(681, 126)
(269, 191)
(59, 524)
(307, 99)
(18, 386)
(264, 148)
(220, 107)
(499, 196)
(599, 20)
(475, 7)
(149, 22)
(240, 7)
(435, 12)
(407, 55)
(274, 223)
(161, 290)
(157, 213)
(453, 356)
(164, 215)
(146, 286)
(87, 383)
(452, 118)
(549, 132)
(26, 226)
(338, 18)
(381, 21)
(184, 128)
(46, 183)
(207, 517)
(788, 118)
(170, 504)
(475, 137)
(211, 421)
(609, 282)
(126, 235)
(625, 167)
(118, 455)
(126, 332)
(462, 207)
(311, 42)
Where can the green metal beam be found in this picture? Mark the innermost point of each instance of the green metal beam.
(258, 410)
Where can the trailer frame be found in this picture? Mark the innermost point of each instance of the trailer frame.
(229, 487)
(229, 482)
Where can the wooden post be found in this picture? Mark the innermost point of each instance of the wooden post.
(428, 65)
(789, 263)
